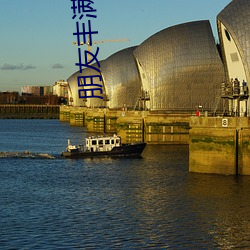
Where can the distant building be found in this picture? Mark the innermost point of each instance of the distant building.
(30, 90)
(47, 90)
(37, 90)
(60, 89)
(9, 97)
(41, 100)
(39, 95)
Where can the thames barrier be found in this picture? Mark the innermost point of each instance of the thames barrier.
(154, 90)
(219, 145)
(179, 86)
(132, 126)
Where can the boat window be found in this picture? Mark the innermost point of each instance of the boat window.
(112, 142)
(93, 142)
(100, 142)
(117, 141)
(107, 142)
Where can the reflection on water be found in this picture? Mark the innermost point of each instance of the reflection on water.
(105, 203)
(224, 201)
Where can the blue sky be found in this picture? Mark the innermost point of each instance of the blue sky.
(36, 35)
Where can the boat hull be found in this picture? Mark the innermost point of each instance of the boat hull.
(126, 150)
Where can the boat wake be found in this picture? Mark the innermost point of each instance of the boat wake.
(26, 154)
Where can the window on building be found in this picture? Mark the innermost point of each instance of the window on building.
(227, 35)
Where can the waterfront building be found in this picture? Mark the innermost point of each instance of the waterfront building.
(73, 98)
(31, 90)
(9, 97)
(37, 90)
(234, 33)
(60, 89)
(46, 90)
(38, 95)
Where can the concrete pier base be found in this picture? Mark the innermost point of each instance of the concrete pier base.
(64, 114)
(132, 126)
(219, 145)
(167, 129)
(25, 111)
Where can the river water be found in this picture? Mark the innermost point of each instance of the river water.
(149, 203)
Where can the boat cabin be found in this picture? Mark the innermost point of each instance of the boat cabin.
(104, 143)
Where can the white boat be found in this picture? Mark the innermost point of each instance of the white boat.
(103, 146)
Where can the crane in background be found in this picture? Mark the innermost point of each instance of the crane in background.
(101, 41)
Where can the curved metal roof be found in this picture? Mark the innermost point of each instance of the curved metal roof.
(74, 88)
(121, 79)
(236, 18)
(180, 67)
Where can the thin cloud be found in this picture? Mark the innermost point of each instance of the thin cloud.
(57, 66)
(21, 66)
(27, 67)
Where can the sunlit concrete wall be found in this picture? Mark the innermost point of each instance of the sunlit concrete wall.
(219, 145)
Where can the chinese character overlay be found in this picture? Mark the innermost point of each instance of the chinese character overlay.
(87, 62)
(82, 82)
(81, 8)
(84, 33)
